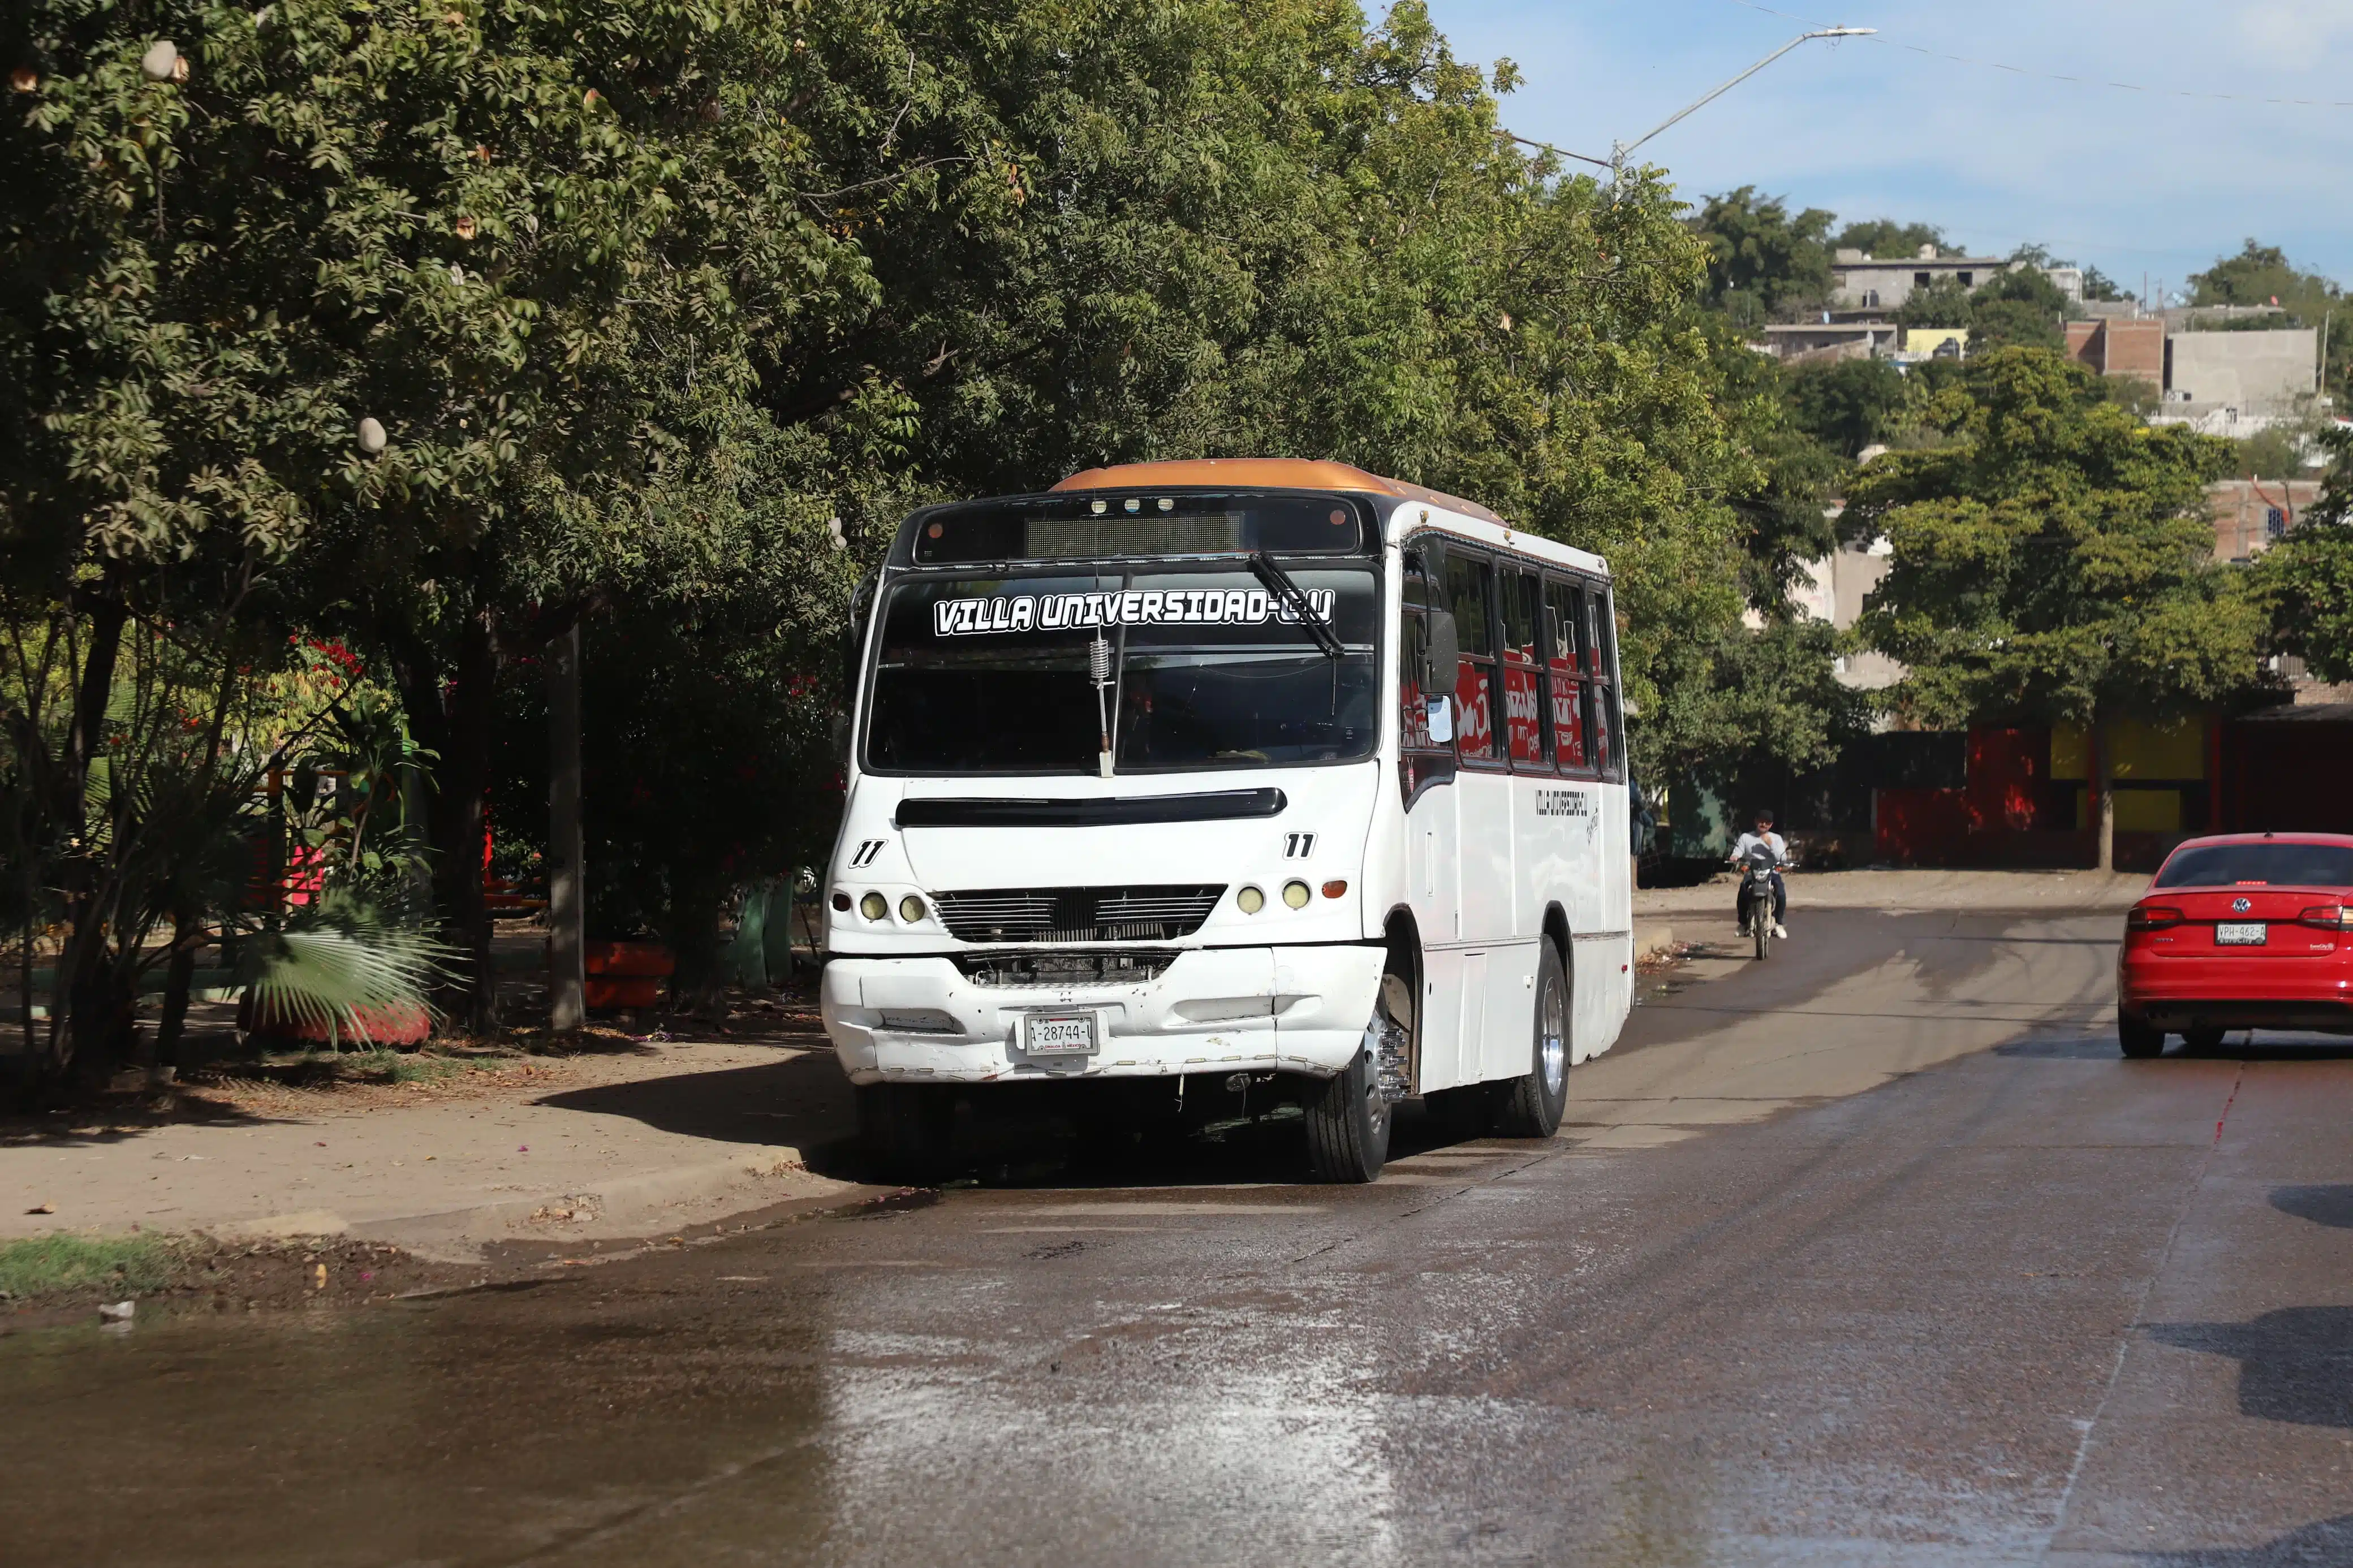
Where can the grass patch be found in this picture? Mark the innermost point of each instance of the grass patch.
(45, 1264)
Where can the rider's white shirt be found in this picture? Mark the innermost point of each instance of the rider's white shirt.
(1772, 841)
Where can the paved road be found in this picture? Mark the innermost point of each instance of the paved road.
(1874, 1254)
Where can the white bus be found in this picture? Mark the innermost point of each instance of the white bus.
(1153, 792)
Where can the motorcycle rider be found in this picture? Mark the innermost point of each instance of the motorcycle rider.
(1766, 838)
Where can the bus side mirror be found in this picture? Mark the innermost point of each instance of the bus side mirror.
(1442, 658)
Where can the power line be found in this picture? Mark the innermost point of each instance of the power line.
(2076, 80)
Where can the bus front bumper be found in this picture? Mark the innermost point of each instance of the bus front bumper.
(1288, 1009)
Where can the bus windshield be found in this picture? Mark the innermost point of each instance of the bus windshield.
(1204, 669)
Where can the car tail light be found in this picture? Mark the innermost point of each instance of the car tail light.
(2327, 916)
(2152, 917)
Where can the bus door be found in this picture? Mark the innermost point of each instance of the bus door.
(1425, 642)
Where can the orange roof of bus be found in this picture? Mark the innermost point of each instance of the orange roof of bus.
(1263, 473)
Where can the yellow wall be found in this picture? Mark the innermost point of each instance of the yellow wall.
(1926, 340)
(2176, 751)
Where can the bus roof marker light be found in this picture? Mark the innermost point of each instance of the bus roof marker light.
(1134, 506)
(1099, 508)
(1167, 503)
(1295, 894)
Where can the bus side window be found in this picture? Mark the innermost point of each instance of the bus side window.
(1608, 724)
(1564, 613)
(1523, 680)
(1467, 587)
(1425, 738)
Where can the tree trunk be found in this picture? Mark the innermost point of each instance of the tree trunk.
(83, 1029)
(461, 824)
(177, 980)
(2104, 771)
(567, 892)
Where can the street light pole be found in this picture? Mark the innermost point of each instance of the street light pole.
(1618, 150)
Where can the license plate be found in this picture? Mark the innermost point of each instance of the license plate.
(1058, 1035)
(2242, 933)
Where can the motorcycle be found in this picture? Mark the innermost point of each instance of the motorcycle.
(1756, 896)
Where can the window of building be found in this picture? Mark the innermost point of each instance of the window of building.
(1871, 299)
(1919, 279)
(1968, 280)
(2275, 522)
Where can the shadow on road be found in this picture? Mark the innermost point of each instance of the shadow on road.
(2328, 1206)
(799, 1100)
(2327, 1543)
(2295, 1364)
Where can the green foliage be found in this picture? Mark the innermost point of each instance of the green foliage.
(1848, 405)
(2307, 578)
(2018, 306)
(2056, 560)
(1771, 694)
(1764, 265)
(48, 1265)
(1884, 237)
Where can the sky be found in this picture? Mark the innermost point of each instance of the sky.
(2152, 181)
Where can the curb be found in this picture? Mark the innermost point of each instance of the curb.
(619, 1208)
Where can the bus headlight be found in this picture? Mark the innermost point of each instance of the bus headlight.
(910, 909)
(1249, 900)
(873, 906)
(1295, 894)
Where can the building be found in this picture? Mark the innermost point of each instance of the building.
(1794, 341)
(2120, 346)
(2235, 383)
(1860, 282)
(2250, 514)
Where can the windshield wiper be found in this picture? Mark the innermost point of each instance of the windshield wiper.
(1294, 599)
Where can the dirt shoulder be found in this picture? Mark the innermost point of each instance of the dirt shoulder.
(451, 1154)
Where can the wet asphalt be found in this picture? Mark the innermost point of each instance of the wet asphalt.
(2032, 1304)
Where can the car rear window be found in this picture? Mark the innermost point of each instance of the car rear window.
(2257, 865)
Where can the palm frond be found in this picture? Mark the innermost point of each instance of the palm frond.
(341, 969)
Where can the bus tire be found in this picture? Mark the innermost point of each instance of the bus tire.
(907, 1126)
(1534, 1103)
(1348, 1124)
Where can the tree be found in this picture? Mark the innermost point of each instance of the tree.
(1885, 236)
(530, 247)
(1763, 264)
(2055, 562)
(2017, 306)
(1847, 405)
(2307, 579)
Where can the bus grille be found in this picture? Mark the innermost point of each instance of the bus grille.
(1076, 915)
(1087, 966)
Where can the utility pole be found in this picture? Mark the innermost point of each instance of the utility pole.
(566, 897)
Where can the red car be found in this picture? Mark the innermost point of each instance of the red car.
(2254, 930)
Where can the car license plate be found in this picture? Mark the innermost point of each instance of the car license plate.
(1058, 1035)
(2242, 933)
